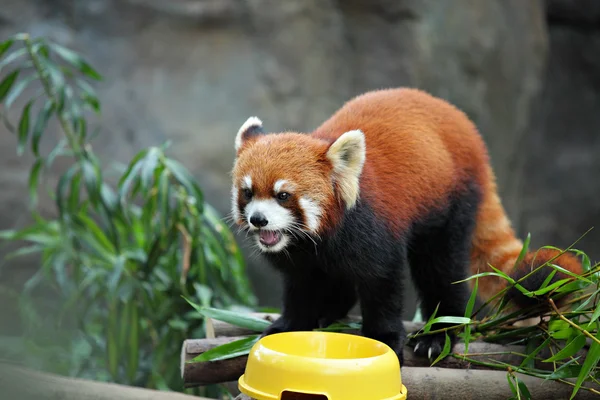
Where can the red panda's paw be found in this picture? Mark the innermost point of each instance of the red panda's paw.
(278, 326)
(431, 346)
(395, 340)
(284, 324)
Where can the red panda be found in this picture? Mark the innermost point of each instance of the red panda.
(396, 179)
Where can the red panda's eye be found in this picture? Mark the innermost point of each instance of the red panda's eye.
(247, 194)
(283, 196)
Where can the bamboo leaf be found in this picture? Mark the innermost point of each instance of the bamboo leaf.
(570, 287)
(445, 350)
(26, 250)
(89, 96)
(524, 391)
(7, 84)
(448, 320)
(115, 275)
(64, 180)
(112, 349)
(76, 60)
(134, 345)
(233, 349)
(88, 224)
(12, 57)
(566, 371)
(4, 46)
(129, 179)
(570, 349)
(547, 289)
(596, 314)
(40, 125)
(134, 161)
(548, 279)
(33, 181)
(482, 274)
(24, 128)
(427, 327)
(591, 360)
(531, 354)
(59, 150)
(513, 388)
(590, 298)
(163, 198)
(75, 191)
(523, 252)
(91, 177)
(17, 90)
(186, 179)
(242, 320)
(569, 273)
(340, 327)
(468, 312)
(150, 164)
(124, 319)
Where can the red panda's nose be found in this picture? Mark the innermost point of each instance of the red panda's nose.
(258, 219)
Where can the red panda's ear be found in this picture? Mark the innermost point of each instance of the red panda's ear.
(252, 126)
(347, 156)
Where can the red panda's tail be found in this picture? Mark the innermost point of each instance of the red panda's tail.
(494, 243)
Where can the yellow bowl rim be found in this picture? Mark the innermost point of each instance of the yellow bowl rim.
(386, 349)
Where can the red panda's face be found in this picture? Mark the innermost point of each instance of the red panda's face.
(281, 187)
(286, 185)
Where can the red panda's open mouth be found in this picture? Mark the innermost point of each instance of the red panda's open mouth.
(269, 238)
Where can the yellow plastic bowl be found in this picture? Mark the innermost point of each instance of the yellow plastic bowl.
(338, 366)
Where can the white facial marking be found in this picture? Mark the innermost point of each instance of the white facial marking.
(278, 217)
(247, 182)
(312, 211)
(235, 213)
(279, 184)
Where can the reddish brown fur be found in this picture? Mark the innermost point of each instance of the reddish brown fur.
(295, 157)
(419, 150)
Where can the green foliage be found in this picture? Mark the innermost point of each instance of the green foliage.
(562, 335)
(117, 258)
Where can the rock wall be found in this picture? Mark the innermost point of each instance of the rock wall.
(561, 185)
(193, 70)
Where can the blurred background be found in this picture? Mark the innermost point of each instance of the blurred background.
(192, 71)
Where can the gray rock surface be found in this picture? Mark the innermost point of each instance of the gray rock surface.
(561, 183)
(192, 71)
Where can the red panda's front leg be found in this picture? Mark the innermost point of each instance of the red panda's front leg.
(381, 303)
(312, 299)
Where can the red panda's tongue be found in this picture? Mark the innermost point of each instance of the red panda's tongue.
(269, 238)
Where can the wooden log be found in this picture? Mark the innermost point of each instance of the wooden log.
(453, 384)
(19, 383)
(205, 373)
